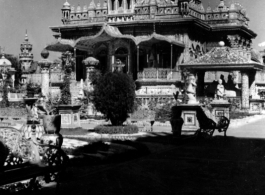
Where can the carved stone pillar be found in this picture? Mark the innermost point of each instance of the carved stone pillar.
(252, 83)
(45, 69)
(45, 81)
(245, 90)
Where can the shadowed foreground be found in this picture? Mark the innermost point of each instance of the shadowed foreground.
(190, 166)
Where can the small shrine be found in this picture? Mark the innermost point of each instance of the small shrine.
(227, 59)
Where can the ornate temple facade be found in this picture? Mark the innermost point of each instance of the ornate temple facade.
(153, 38)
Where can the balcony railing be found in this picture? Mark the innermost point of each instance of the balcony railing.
(158, 74)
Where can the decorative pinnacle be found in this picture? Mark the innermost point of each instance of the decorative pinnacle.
(26, 36)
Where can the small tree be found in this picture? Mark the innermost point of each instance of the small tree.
(114, 96)
(68, 65)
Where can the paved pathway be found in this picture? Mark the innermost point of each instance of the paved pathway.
(254, 129)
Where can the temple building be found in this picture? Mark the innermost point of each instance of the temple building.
(27, 64)
(156, 39)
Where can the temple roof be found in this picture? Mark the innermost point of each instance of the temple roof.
(224, 58)
(108, 33)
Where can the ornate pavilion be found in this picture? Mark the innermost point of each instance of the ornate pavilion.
(154, 39)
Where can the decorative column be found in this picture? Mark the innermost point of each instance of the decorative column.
(252, 83)
(45, 69)
(245, 90)
(90, 63)
(116, 5)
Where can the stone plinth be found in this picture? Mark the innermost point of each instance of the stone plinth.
(70, 117)
(220, 108)
(256, 105)
(187, 112)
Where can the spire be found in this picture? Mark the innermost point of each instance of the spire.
(66, 5)
(26, 36)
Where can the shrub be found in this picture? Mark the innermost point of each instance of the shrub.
(105, 129)
(113, 96)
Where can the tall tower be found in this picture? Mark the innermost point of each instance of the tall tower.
(25, 57)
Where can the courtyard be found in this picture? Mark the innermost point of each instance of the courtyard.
(132, 97)
(161, 164)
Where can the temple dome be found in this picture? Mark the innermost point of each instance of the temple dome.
(4, 61)
(66, 5)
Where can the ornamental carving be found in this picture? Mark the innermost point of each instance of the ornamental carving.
(221, 55)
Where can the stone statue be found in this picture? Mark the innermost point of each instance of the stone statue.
(220, 90)
(32, 112)
(190, 90)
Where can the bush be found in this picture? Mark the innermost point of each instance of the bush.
(105, 129)
(113, 96)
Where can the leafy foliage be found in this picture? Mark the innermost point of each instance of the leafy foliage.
(68, 65)
(65, 91)
(114, 96)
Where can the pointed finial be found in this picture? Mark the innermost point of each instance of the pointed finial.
(26, 35)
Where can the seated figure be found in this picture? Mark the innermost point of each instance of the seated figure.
(220, 90)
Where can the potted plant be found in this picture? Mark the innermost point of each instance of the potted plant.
(51, 120)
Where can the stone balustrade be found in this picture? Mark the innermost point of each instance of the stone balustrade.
(13, 97)
(158, 74)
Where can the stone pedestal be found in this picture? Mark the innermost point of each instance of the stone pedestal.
(70, 117)
(220, 108)
(256, 105)
(186, 115)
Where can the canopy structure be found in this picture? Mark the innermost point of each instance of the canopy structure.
(61, 45)
(224, 58)
(107, 33)
(227, 59)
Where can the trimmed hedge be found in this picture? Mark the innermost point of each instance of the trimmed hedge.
(108, 129)
(114, 96)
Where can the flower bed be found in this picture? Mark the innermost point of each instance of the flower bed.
(108, 129)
